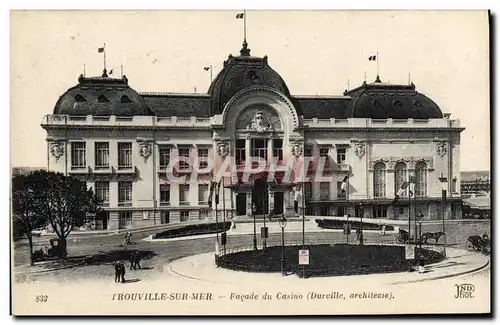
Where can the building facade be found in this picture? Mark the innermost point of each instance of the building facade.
(151, 157)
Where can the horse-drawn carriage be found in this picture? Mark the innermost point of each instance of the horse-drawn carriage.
(404, 237)
(478, 244)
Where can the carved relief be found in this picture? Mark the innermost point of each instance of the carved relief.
(223, 148)
(259, 123)
(57, 149)
(441, 149)
(360, 150)
(145, 150)
(297, 148)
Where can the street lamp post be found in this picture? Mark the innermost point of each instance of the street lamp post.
(444, 187)
(283, 260)
(361, 211)
(420, 216)
(254, 209)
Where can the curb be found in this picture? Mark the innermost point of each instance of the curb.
(446, 276)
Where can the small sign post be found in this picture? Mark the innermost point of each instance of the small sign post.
(410, 252)
(303, 257)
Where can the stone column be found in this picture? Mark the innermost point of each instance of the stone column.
(248, 148)
(269, 149)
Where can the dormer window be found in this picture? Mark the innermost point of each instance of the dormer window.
(125, 99)
(102, 99)
(79, 98)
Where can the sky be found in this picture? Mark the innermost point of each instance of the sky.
(445, 53)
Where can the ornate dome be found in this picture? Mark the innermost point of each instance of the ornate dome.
(102, 96)
(380, 100)
(241, 72)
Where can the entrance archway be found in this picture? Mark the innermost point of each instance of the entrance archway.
(260, 196)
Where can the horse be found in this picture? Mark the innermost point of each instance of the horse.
(432, 235)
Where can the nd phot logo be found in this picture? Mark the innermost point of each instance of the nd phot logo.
(464, 291)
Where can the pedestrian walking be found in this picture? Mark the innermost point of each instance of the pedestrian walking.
(117, 272)
(129, 241)
(137, 260)
(132, 260)
(122, 271)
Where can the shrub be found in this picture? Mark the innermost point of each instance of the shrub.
(192, 230)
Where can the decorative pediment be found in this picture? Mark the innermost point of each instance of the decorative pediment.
(259, 123)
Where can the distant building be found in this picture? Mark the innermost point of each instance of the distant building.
(475, 182)
(124, 143)
(25, 170)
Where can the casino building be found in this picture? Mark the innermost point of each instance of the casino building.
(124, 144)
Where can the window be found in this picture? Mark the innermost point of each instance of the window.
(399, 176)
(202, 193)
(341, 152)
(308, 191)
(341, 211)
(259, 148)
(184, 194)
(324, 154)
(278, 149)
(164, 194)
(79, 98)
(308, 152)
(125, 99)
(203, 157)
(78, 153)
(183, 157)
(124, 193)
(324, 191)
(379, 180)
(401, 210)
(102, 99)
(165, 217)
(102, 192)
(380, 211)
(340, 192)
(124, 155)
(240, 152)
(164, 157)
(184, 216)
(420, 179)
(101, 155)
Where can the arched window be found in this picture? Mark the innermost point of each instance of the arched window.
(421, 179)
(379, 180)
(79, 98)
(102, 99)
(125, 99)
(399, 175)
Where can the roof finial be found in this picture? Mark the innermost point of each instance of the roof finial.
(104, 73)
(378, 79)
(245, 51)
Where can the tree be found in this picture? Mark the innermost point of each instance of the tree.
(25, 215)
(65, 202)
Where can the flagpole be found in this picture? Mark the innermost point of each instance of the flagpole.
(104, 50)
(121, 71)
(84, 70)
(244, 25)
(377, 59)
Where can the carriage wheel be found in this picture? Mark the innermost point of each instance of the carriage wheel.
(469, 246)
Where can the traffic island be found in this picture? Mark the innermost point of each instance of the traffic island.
(327, 260)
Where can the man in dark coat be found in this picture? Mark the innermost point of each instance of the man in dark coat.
(122, 271)
(137, 260)
(132, 259)
(117, 272)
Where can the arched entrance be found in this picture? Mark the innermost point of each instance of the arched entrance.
(260, 196)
